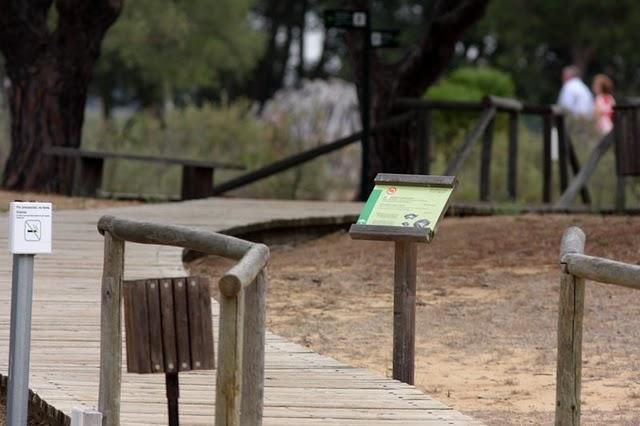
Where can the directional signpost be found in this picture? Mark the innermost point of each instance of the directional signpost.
(385, 38)
(405, 209)
(360, 20)
(29, 234)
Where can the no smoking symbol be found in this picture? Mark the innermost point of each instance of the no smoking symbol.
(32, 230)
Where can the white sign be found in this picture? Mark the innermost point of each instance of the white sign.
(359, 19)
(376, 39)
(30, 227)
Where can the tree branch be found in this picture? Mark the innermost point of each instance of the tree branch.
(423, 66)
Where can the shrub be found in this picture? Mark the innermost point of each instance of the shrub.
(465, 84)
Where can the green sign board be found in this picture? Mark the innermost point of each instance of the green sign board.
(393, 205)
(407, 207)
(344, 18)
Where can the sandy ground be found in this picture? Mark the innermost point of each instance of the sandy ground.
(486, 315)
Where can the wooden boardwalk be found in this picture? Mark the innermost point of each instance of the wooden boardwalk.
(302, 387)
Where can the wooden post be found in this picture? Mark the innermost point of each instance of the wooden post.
(546, 157)
(563, 166)
(423, 140)
(230, 351)
(404, 311)
(620, 194)
(570, 314)
(568, 375)
(485, 162)
(84, 416)
(512, 166)
(197, 182)
(111, 330)
(253, 356)
(87, 176)
(619, 135)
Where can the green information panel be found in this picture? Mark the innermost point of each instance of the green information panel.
(393, 205)
(404, 207)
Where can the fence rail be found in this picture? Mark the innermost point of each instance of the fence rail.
(419, 111)
(575, 268)
(240, 372)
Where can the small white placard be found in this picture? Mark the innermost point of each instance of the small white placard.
(359, 19)
(376, 39)
(30, 227)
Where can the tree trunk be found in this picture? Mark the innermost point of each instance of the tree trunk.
(49, 73)
(47, 109)
(393, 150)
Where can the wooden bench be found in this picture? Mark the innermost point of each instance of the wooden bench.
(197, 176)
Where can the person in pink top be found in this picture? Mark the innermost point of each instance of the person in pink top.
(603, 104)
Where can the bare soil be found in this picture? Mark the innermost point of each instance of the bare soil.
(486, 315)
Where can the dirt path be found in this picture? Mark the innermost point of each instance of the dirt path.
(486, 315)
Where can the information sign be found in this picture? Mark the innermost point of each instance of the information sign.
(344, 18)
(406, 207)
(30, 227)
(385, 38)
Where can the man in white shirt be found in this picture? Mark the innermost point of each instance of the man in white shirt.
(575, 96)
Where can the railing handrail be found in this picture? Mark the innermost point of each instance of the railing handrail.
(602, 270)
(253, 256)
(503, 104)
(573, 261)
(305, 156)
(241, 343)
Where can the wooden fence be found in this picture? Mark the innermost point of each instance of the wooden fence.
(551, 116)
(419, 113)
(240, 373)
(576, 268)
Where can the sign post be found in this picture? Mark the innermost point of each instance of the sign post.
(361, 20)
(405, 209)
(29, 234)
(358, 20)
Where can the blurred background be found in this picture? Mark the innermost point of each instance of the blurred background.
(252, 81)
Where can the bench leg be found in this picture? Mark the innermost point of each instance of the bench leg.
(87, 177)
(197, 182)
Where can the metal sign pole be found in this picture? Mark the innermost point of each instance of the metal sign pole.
(20, 339)
(366, 109)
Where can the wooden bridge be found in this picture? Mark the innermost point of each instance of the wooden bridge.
(301, 387)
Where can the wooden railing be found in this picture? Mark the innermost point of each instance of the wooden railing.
(551, 115)
(576, 268)
(240, 372)
(419, 111)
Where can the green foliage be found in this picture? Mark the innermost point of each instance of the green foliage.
(465, 84)
(163, 45)
(533, 40)
(472, 84)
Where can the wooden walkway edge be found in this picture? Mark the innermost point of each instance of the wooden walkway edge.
(302, 387)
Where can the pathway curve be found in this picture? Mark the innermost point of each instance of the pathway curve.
(302, 387)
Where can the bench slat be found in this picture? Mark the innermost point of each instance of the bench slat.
(73, 152)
